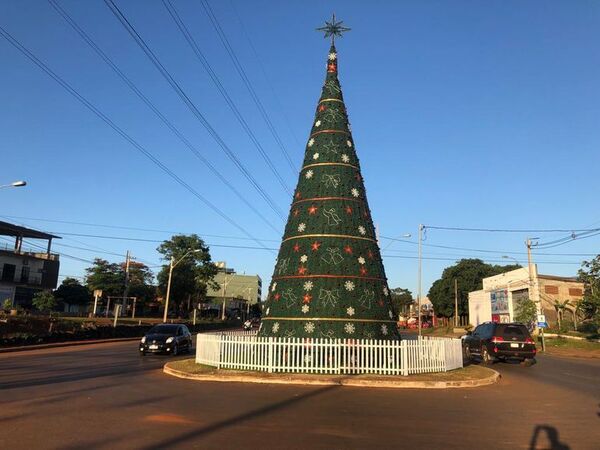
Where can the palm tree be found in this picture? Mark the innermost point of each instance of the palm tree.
(560, 308)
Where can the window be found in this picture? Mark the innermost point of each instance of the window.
(25, 274)
(575, 292)
(8, 272)
(549, 289)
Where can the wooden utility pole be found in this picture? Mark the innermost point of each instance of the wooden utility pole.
(455, 302)
(126, 290)
(531, 287)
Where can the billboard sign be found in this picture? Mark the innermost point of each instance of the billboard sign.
(499, 300)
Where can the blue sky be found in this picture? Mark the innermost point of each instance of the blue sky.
(467, 114)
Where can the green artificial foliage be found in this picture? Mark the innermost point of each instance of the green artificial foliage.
(329, 280)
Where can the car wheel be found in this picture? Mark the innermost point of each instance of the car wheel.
(485, 355)
(175, 350)
(467, 353)
(528, 362)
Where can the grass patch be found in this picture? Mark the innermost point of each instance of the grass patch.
(469, 373)
(572, 344)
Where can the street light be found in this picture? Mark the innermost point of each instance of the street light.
(19, 183)
(172, 266)
(421, 227)
(510, 257)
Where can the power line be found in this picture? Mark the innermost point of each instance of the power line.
(479, 250)
(246, 80)
(493, 230)
(119, 131)
(191, 106)
(121, 227)
(486, 260)
(155, 110)
(267, 78)
(200, 56)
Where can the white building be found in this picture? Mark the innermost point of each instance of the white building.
(501, 294)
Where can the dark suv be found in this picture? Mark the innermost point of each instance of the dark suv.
(493, 341)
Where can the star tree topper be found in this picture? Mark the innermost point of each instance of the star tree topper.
(333, 28)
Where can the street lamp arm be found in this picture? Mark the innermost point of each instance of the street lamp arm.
(184, 256)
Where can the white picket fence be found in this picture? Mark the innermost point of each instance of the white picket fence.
(246, 351)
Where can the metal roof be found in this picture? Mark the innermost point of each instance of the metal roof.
(9, 229)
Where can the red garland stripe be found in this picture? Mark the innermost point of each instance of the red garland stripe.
(330, 131)
(329, 276)
(329, 198)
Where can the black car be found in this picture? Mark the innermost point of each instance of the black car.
(166, 338)
(493, 341)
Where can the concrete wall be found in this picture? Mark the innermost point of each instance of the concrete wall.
(480, 308)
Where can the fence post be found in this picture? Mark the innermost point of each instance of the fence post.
(404, 357)
(270, 359)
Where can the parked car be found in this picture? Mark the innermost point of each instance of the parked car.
(493, 341)
(166, 338)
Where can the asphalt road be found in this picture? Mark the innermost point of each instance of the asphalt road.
(105, 396)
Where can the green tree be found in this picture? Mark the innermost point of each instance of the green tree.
(526, 312)
(193, 273)
(44, 301)
(401, 300)
(72, 292)
(589, 274)
(141, 282)
(469, 273)
(110, 277)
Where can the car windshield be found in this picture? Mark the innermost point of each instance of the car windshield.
(164, 329)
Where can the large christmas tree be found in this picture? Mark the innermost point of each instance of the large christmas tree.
(329, 280)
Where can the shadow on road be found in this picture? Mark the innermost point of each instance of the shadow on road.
(545, 437)
(200, 432)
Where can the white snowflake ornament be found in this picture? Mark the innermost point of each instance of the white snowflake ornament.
(301, 227)
(309, 174)
(349, 285)
(349, 328)
(361, 260)
(305, 308)
(274, 286)
(267, 311)
(275, 327)
(391, 314)
(318, 123)
(345, 158)
(308, 285)
(311, 142)
(332, 56)
(384, 329)
(362, 230)
(354, 192)
(309, 327)
(303, 258)
(350, 311)
(316, 156)
(386, 292)
(349, 143)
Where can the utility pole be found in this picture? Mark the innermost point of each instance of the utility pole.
(126, 290)
(531, 287)
(168, 289)
(224, 292)
(455, 303)
(419, 277)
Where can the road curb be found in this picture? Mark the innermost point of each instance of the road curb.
(25, 348)
(315, 381)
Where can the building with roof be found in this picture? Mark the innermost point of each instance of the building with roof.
(499, 299)
(239, 290)
(26, 269)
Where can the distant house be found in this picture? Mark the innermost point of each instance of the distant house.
(499, 299)
(239, 291)
(25, 268)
